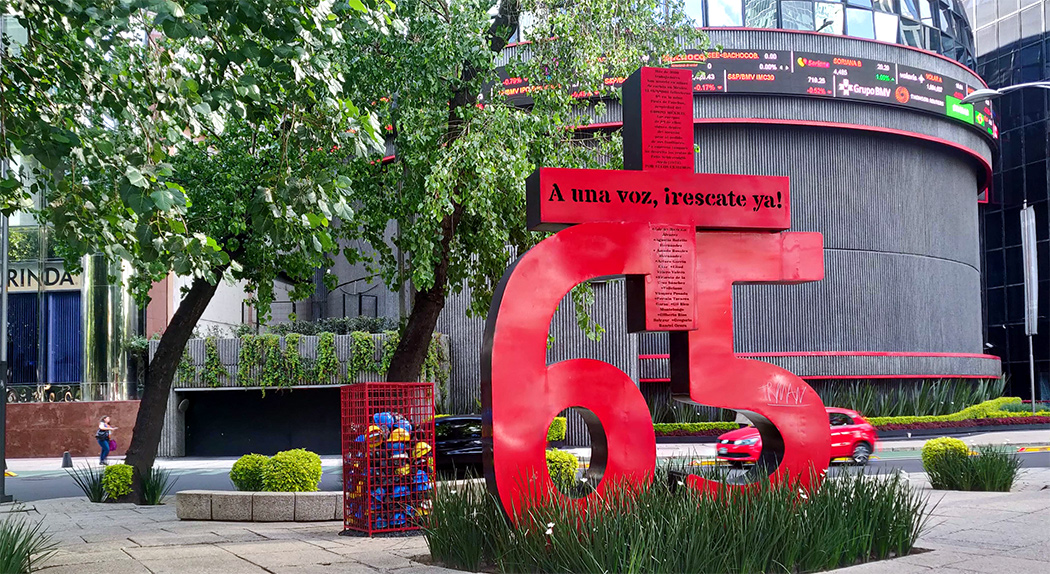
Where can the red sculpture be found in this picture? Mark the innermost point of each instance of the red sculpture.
(679, 280)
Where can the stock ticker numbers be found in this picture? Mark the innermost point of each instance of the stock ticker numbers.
(731, 71)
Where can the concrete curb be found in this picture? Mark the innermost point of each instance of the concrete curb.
(236, 506)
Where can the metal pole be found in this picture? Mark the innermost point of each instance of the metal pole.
(4, 497)
(1031, 370)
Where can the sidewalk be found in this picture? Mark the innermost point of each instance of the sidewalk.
(968, 532)
(126, 539)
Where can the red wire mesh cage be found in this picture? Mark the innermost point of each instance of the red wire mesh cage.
(388, 456)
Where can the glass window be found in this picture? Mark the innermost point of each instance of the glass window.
(884, 5)
(886, 27)
(859, 23)
(933, 39)
(24, 243)
(1007, 7)
(695, 10)
(865, 3)
(1009, 30)
(760, 13)
(839, 419)
(985, 12)
(925, 12)
(910, 9)
(724, 13)
(797, 15)
(828, 18)
(911, 34)
(1031, 23)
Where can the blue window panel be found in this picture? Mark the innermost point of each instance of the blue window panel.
(859, 23)
(23, 342)
(910, 9)
(725, 13)
(695, 10)
(886, 27)
(65, 346)
(797, 15)
(828, 18)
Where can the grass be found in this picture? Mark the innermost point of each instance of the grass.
(89, 479)
(156, 485)
(666, 527)
(907, 398)
(24, 545)
(991, 469)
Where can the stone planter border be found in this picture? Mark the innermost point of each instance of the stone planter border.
(238, 506)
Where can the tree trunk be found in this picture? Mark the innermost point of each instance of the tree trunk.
(407, 361)
(411, 353)
(154, 401)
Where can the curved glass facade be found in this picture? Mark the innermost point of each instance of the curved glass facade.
(936, 25)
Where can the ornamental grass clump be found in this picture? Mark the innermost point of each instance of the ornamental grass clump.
(990, 469)
(668, 527)
(24, 545)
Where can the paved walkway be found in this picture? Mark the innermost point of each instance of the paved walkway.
(968, 532)
(125, 539)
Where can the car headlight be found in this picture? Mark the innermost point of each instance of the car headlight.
(746, 441)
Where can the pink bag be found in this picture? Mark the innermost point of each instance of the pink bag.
(112, 444)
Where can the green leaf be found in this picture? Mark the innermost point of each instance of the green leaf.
(135, 177)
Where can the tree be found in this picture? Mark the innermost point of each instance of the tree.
(456, 187)
(191, 139)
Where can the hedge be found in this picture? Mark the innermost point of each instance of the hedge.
(693, 429)
(987, 410)
(988, 413)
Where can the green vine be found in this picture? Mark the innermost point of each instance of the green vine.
(186, 371)
(327, 362)
(246, 359)
(272, 362)
(294, 368)
(214, 372)
(433, 371)
(389, 346)
(362, 355)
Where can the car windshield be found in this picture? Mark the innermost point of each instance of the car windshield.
(455, 430)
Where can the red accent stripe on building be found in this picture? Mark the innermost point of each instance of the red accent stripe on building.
(834, 377)
(845, 354)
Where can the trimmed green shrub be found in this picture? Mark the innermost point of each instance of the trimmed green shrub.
(993, 409)
(562, 466)
(248, 472)
(557, 429)
(935, 450)
(683, 428)
(990, 469)
(1026, 408)
(116, 479)
(296, 470)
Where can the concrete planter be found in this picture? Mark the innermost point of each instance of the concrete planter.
(258, 506)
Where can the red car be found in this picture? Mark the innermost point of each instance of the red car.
(851, 437)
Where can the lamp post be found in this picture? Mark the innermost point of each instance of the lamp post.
(991, 93)
(1027, 224)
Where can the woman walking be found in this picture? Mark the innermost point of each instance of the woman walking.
(103, 438)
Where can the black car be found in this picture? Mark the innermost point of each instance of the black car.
(458, 447)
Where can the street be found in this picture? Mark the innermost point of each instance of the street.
(41, 484)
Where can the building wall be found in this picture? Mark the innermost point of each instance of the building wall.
(1013, 47)
(49, 429)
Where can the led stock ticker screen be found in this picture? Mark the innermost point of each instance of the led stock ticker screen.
(811, 74)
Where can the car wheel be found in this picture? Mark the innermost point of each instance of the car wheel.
(861, 453)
